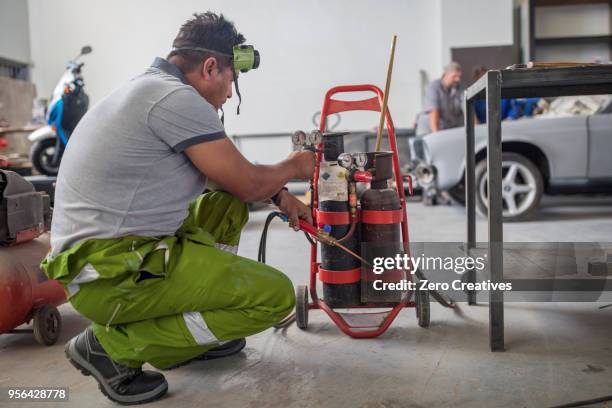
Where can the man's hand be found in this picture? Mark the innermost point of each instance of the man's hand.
(303, 163)
(294, 209)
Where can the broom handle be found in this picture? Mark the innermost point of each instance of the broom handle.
(383, 109)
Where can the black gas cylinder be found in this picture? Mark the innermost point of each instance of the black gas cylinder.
(380, 225)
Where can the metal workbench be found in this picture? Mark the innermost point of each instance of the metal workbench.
(512, 83)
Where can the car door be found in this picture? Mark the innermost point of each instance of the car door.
(600, 147)
(563, 140)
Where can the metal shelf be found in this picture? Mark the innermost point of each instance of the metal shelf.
(534, 42)
(547, 3)
(595, 39)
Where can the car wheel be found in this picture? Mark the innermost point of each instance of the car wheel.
(522, 187)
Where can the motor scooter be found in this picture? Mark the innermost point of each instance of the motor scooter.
(69, 103)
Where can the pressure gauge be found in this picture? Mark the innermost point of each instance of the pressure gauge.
(315, 137)
(298, 138)
(360, 159)
(345, 160)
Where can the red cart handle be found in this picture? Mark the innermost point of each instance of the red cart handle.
(331, 106)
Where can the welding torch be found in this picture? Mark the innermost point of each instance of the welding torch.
(323, 237)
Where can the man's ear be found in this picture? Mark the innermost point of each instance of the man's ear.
(209, 65)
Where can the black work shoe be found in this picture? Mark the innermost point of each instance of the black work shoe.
(227, 349)
(118, 382)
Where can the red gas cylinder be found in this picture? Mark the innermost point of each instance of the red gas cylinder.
(381, 217)
(25, 291)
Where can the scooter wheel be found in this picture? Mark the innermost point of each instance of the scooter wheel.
(47, 325)
(41, 155)
(421, 298)
(301, 307)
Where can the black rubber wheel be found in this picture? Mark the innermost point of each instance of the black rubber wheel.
(522, 187)
(41, 155)
(429, 199)
(457, 193)
(47, 325)
(301, 307)
(421, 298)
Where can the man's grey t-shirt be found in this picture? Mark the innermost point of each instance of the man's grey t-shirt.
(124, 171)
(448, 101)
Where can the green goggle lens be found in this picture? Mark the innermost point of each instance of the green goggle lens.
(246, 57)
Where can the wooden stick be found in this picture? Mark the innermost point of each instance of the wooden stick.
(383, 109)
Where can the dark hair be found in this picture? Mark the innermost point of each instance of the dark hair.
(206, 30)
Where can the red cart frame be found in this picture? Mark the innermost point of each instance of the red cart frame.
(331, 106)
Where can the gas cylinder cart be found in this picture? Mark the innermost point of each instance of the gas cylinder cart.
(350, 232)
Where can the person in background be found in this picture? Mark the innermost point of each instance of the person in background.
(480, 105)
(511, 109)
(443, 104)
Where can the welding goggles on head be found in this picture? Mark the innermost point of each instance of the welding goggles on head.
(244, 57)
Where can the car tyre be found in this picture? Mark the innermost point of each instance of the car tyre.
(522, 187)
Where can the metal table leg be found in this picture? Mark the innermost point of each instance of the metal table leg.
(494, 187)
(470, 190)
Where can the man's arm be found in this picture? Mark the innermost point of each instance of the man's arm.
(220, 161)
(434, 120)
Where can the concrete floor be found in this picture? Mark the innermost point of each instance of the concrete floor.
(556, 352)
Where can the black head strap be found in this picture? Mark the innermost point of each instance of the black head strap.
(237, 92)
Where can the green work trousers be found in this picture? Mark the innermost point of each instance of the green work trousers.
(189, 294)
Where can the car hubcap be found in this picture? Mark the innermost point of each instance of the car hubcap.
(518, 188)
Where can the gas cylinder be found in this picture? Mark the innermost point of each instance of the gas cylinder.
(381, 218)
(339, 272)
(26, 293)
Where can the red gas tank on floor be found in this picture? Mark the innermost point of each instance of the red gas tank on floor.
(26, 293)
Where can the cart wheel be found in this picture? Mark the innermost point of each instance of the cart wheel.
(47, 324)
(421, 298)
(301, 307)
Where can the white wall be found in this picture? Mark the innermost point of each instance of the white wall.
(475, 23)
(306, 47)
(14, 30)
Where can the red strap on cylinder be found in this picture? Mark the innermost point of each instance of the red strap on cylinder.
(382, 217)
(333, 218)
(350, 276)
